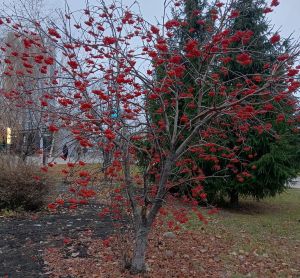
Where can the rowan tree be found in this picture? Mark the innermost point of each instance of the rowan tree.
(104, 89)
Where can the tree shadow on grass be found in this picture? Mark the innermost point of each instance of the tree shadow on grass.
(251, 207)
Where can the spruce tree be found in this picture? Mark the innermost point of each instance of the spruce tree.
(271, 159)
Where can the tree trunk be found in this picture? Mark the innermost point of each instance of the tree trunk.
(107, 158)
(144, 221)
(234, 198)
(138, 261)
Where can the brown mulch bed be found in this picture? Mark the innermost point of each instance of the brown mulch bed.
(23, 239)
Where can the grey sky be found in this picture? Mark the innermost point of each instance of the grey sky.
(285, 17)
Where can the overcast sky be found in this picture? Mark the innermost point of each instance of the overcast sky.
(285, 16)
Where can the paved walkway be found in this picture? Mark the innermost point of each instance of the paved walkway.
(296, 184)
(59, 160)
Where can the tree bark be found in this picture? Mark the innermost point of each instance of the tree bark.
(145, 221)
(234, 198)
(138, 261)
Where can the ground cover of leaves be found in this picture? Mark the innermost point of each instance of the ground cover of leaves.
(187, 254)
(260, 240)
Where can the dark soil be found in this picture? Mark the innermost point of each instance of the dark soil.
(23, 241)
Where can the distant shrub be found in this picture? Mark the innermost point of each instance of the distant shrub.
(22, 185)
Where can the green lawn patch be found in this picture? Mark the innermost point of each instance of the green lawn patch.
(259, 233)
